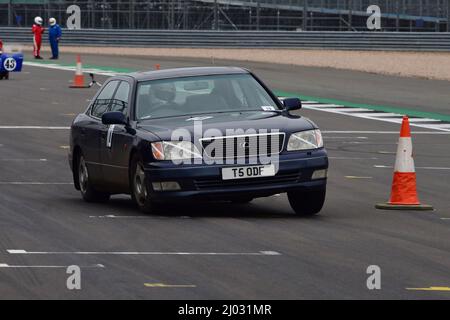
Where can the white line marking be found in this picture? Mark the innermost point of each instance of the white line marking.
(336, 138)
(5, 265)
(71, 68)
(351, 158)
(377, 115)
(23, 183)
(385, 132)
(305, 102)
(149, 253)
(16, 251)
(346, 109)
(353, 142)
(163, 285)
(423, 120)
(442, 126)
(319, 105)
(424, 168)
(24, 160)
(111, 216)
(35, 127)
(382, 116)
(445, 218)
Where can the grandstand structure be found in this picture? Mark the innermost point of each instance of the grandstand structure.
(262, 15)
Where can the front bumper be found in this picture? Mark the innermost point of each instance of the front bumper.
(204, 181)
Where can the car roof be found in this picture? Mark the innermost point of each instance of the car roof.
(185, 72)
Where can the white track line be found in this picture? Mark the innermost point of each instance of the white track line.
(337, 138)
(144, 253)
(318, 105)
(7, 266)
(351, 158)
(442, 126)
(24, 183)
(111, 216)
(379, 116)
(24, 160)
(34, 127)
(423, 168)
(385, 132)
(71, 68)
(423, 120)
(345, 109)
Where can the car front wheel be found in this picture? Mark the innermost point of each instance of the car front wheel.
(87, 190)
(307, 203)
(139, 186)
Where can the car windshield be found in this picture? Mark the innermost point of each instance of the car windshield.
(201, 95)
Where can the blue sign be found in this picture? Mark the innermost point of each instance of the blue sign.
(11, 63)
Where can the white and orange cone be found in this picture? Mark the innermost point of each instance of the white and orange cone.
(78, 80)
(404, 185)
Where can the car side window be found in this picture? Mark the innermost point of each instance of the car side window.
(101, 104)
(120, 101)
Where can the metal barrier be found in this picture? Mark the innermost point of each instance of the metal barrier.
(244, 39)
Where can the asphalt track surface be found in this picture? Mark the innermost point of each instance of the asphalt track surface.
(325, 257)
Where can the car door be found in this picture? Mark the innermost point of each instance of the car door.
(116, 143)
(93, 129)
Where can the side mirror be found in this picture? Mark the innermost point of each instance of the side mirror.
(114, 118)
(291, 104)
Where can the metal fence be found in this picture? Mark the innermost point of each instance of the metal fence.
(287, 15)
(245, 39)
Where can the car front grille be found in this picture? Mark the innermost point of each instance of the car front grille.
(218, 183)
(243, 146)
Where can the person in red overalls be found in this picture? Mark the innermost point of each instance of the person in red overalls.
(37, 30)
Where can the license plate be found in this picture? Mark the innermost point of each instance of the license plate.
(248, 172)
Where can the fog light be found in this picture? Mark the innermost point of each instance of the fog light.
(157, 186)
(166, 186)
(320, 174)
(170, 186)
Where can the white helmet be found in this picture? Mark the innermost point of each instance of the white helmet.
(38, 20)
(52, 21)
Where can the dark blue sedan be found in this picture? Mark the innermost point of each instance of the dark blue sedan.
(214, 133)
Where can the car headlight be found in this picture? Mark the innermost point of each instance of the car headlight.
(175, 150)
(305, 140)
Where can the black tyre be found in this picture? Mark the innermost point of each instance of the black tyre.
(87, 190)
(139, 186)
(307, 203)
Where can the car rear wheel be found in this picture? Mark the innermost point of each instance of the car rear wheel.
(307, 203)
(87, 190)
(139, 187)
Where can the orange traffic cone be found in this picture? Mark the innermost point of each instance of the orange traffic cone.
(404, 185)
(157, 66)
(78, 80)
